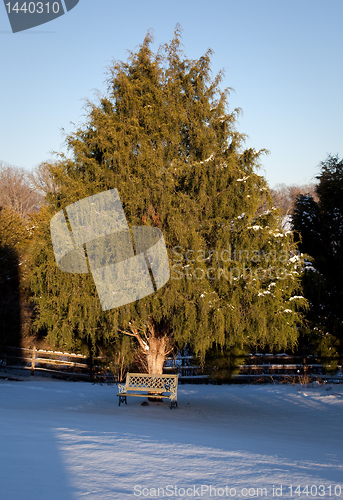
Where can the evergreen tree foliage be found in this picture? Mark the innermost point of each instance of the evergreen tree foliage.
(164, 136)
(221, 365)
(320, 229)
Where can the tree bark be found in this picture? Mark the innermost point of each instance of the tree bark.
(159, 346)
(156, 354)
(155, 347)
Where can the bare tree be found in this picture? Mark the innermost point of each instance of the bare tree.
(17, 191)
(42, 180)
(285, 196)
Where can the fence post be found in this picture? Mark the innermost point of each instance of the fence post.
(91, 367)
(33, 361)
(304, 366)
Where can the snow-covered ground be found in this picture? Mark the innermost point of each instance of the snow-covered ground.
(71, 440)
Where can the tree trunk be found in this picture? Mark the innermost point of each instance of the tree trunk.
(156, 346)
(156, 354)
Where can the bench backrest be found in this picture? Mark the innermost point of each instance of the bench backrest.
(146, 382)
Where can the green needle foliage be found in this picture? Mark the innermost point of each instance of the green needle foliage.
(164, 136)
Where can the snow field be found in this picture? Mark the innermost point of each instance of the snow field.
(71, 440)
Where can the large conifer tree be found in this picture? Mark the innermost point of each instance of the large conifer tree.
(164, 136)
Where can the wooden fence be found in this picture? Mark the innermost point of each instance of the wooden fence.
(54, 363)
(267, 368)
(256, 367)
(288, 367)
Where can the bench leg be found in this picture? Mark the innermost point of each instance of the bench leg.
(173, 404)
(122, 399)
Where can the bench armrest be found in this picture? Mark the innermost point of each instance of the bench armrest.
(121, 388)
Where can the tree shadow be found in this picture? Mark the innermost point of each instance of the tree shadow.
(10, 307)
(32, 465)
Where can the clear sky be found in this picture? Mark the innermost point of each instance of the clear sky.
(283, 59)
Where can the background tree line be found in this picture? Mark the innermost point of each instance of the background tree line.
(20, 196)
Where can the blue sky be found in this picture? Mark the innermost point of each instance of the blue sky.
(283, 59)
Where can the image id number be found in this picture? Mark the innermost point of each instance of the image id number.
(33, 7)
(314, 491)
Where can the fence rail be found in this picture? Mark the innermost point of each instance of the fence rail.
(261, 367)
(54, 363)
(266, 368)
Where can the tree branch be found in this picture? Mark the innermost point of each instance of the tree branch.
(134, 333)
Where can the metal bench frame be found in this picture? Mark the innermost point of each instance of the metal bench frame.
(153, 386)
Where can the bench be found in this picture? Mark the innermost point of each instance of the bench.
(153, 386)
